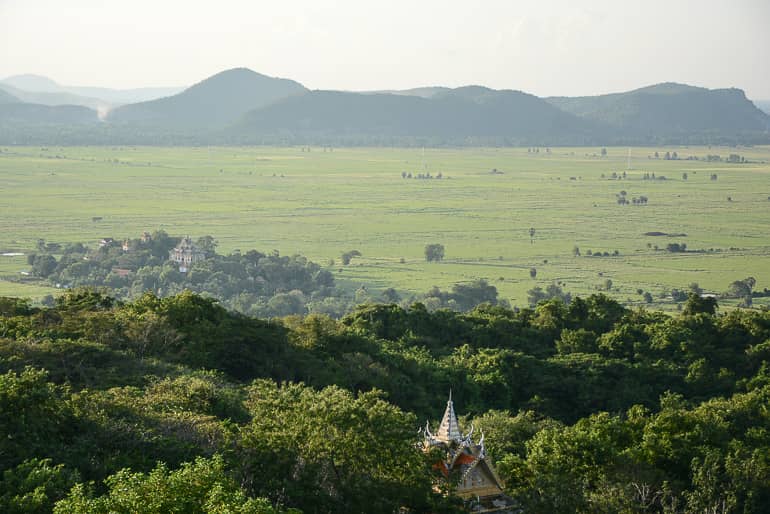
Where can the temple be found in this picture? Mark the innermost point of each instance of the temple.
(466, 464)
(186, 254)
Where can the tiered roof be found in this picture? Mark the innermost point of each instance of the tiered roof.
(465, 460)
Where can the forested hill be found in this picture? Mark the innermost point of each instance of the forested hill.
(670, 111)
(25, 117)
(214, 102)
(17, 114)
(460, 115)
(585, 407)
(240, 106)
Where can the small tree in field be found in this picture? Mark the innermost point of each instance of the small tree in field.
(434, 252)
(348, 256)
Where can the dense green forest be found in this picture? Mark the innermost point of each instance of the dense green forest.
(178, 405)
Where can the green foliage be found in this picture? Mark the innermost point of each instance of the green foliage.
(585, 406)
(34, 414)
(252, 282)
(692, 457)
(553, 291)
(434, 252)
(696, 303)
(346, 257)
(202, 486)
(34, 485)
(331, 451)
(463, 297)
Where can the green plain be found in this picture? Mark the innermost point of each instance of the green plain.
(322, 203)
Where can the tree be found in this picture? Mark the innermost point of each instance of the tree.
(348, 256)
(208, 244)
(684, 176)
(468, 296)
(742, 289)
(553, 291)
(43, 265)
(200, 487)
(331, 450)
(434, 252)
(34, 485)
(676, 247)
(696, 303)
(390, 295)
(34, 416)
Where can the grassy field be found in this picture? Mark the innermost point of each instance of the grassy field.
(323, 203)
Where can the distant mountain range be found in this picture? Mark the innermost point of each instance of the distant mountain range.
(240, 106)
(112, 97)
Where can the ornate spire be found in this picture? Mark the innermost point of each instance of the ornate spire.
(449, 430)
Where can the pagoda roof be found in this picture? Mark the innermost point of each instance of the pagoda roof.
(449, 429)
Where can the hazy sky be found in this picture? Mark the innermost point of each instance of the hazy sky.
(545, 47)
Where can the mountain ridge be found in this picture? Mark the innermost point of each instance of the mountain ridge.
(669, 108)
(241, 106)
(214, 101)
(31, 83)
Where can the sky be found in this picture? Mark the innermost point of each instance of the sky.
(544, 47)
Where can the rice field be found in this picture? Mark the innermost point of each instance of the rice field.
(322, 202)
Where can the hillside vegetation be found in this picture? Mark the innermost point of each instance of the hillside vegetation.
(585, 407)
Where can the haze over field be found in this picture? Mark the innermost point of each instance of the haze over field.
(557, 47)
(523, 73)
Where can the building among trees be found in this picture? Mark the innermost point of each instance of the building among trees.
(466, 466)
(186, 254)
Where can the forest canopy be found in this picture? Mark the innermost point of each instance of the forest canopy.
(632, 410)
